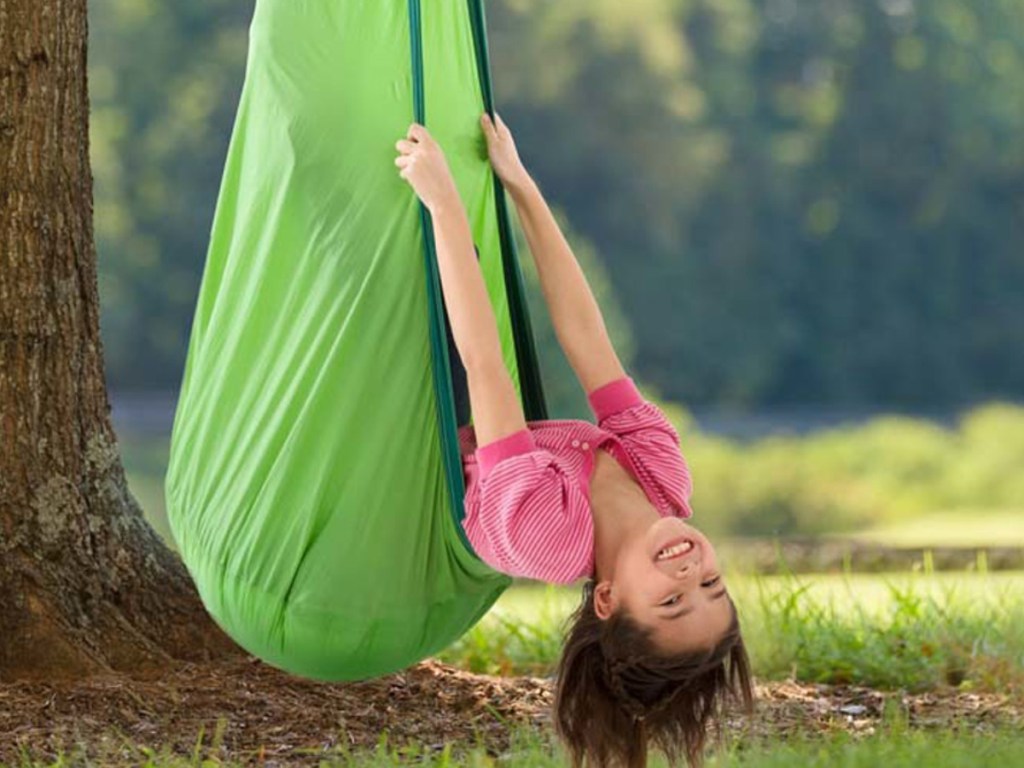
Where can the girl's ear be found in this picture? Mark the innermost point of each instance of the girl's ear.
(604, 600)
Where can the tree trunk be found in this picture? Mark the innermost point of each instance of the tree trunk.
(85, 583)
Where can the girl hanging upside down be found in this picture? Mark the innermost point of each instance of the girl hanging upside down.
(654, 649)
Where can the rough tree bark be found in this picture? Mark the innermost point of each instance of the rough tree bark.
(85, 584)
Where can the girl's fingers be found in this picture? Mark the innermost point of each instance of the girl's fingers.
(490, 132)
(404, 146)
(402, 161)
(417, 132)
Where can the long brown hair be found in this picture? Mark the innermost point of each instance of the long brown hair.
(617, 695)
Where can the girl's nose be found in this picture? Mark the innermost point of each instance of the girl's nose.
(687, 569)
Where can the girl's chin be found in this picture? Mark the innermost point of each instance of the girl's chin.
(667, 528)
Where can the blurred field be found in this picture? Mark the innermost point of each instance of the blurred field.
(960, 528)
(886, 474)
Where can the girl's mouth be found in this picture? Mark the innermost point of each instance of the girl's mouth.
(675, 548)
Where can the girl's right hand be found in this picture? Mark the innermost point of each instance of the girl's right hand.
(502, 150)
(422, 163)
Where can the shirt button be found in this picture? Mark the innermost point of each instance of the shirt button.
(575, 443)
(586, 446)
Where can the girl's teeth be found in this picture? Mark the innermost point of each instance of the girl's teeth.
(678, 549)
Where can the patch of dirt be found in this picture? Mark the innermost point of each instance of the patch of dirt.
(788, 707)
(245, 711)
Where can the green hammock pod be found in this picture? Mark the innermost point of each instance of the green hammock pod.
(314, 486)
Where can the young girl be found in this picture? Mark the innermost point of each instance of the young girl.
(654, 649)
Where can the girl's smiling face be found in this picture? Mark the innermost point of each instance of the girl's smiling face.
(668, 580)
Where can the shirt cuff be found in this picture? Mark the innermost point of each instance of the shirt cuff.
(614, 396)
(487, 456)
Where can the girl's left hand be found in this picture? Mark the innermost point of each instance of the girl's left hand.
(423, 165)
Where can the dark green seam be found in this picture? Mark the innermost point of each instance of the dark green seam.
(522, 334)
(444, 396)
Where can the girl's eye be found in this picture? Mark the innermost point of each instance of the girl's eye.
(712, 582)
(672, 600)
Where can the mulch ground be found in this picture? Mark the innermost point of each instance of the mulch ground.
(248, 712)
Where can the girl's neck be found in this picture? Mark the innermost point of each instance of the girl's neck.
(620, 509)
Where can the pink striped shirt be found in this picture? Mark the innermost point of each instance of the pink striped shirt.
(527, 506)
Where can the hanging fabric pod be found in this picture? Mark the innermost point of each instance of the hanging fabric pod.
(314, 486)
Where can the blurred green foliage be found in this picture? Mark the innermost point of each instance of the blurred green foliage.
(794, 202)
(164, 80)
(888, 469)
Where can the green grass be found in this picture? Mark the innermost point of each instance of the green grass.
(914, 631)
(892, 745)
(892, 750)
(917, 631)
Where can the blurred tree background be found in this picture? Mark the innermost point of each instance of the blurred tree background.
(815, 203)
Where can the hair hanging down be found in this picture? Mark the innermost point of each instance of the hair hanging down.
(617, 695)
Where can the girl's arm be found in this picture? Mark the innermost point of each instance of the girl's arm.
(496, 409)
(575, 314)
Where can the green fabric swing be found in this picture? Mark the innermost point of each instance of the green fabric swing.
(314, 486)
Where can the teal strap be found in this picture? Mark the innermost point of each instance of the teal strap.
(526, 354)
(443, 393)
